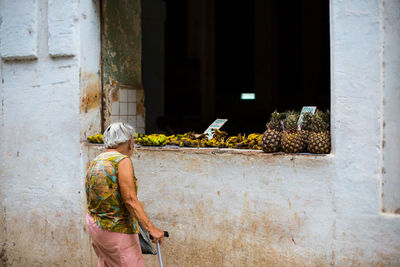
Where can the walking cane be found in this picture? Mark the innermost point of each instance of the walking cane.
(166, 234)
(159, 255)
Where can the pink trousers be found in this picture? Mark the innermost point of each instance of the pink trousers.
(114, 249)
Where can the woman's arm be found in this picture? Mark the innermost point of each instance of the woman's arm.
(127, 188)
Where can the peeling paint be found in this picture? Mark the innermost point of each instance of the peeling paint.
(92, 93)
(121, 42)
(121, 51)
(140, 108)
(110, 95)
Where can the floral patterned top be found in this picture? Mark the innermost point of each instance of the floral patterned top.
(103, 196)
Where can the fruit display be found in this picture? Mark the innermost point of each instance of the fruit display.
(292, 138)
(282, 134)
(319, 140)
(97, 139)
(220, 139)
(271, 139)
(151, 140)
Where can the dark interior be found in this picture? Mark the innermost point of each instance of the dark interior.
(216, 50)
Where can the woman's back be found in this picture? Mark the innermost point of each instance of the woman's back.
(103, 195)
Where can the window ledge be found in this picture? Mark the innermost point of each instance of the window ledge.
(214, 151)
(217, 151)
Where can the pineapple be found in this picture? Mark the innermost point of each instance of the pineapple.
(306, 127)
(319, 140)
(271, 139)
(326, 116)
(292, 139)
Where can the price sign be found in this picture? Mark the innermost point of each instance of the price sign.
(215, 125)
(304, 110)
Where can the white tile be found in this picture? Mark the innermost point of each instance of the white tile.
(131, 95)
(140, 121)
(123, 95)
(114, 119)
(132, 121)
(140, 130)
(123, 109)
(115, 108)
(131, 108)
(123, 119)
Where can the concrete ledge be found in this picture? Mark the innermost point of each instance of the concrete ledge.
(216, 151)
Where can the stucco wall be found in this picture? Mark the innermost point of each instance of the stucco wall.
(231, 202)
(42, 108)
(390, 70)
(239, 209)
(221, 209)
(363, 233)
(247, 208)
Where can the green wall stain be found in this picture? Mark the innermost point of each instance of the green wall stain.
(122, 42)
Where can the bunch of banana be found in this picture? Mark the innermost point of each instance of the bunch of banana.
(187, 142)
(235, 141)
(214, 142)
(254, 141)
(97, 138)
(172, 140)
(231, 141)
(151, 140)
(189, 139)
(220, 139)
(219, 135)
(243, 142)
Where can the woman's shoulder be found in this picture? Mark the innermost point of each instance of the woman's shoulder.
(114, 156)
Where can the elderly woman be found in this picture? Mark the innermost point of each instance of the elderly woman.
(114, 209)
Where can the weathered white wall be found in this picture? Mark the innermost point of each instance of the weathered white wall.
(239, 210)
(222, 209)
(390, 70)
(40, 152)
(265, 210)
(255, 210)
(363, 233)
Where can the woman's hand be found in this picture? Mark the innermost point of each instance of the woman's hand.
(127, 188)
(157, 235)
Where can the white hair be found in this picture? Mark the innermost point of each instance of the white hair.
(117, 133)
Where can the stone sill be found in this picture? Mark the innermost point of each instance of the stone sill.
(219, 151)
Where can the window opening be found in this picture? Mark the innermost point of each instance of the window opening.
(214, 51)
(191, 61)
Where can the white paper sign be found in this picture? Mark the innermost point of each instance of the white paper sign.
(304, 110)
(215, 125)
